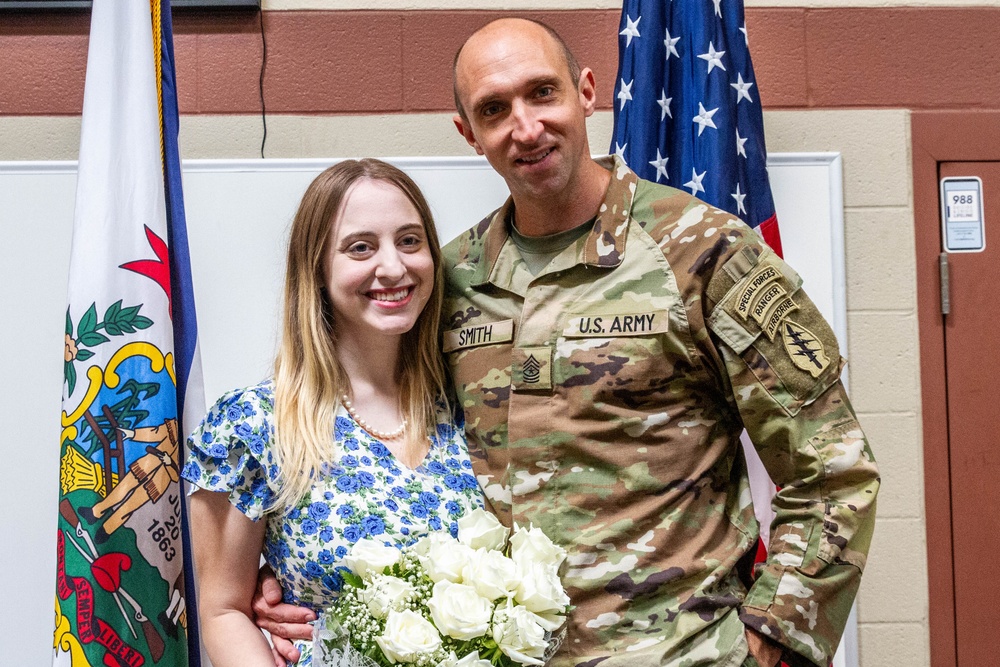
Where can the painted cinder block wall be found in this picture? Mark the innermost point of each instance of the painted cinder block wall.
(344, 80)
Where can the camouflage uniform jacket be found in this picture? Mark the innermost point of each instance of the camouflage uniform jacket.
(604, 400)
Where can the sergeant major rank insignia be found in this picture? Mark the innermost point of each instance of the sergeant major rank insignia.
(804, 348)
(531, 370)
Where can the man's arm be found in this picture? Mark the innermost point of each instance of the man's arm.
(284, 622)
(784, 380)
(824, 520)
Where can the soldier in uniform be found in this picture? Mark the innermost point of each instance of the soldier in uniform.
(609, 339)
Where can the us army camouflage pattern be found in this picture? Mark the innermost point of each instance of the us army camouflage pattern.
(604, 399)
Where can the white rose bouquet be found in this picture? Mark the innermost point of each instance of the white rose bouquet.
(478, 601)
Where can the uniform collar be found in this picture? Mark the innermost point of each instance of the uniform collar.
(604, 245)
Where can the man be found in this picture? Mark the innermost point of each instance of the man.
(609, 339)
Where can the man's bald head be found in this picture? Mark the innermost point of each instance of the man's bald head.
(500, 27)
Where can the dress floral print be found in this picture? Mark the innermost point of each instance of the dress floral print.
(365, 493)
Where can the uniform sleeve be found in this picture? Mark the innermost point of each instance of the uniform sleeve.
(230, 452)
(783, 364)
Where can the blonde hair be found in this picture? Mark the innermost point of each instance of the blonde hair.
(308, 379)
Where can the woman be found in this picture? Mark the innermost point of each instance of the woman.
(352, 438)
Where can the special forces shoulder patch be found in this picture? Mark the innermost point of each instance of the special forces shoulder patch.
(752, 286)
(764, 297)
(762, 314)
(804, 348)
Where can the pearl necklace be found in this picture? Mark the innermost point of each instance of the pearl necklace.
(381, 435)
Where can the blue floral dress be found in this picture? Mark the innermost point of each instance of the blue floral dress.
(365, 493)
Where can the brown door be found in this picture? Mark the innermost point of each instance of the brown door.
(972, 362)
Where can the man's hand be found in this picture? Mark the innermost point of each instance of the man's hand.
(284, 622)
(763, 650)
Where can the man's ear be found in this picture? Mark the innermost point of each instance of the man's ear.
(463, 127)
(588, 91)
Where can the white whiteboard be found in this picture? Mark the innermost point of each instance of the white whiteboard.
(238, 214)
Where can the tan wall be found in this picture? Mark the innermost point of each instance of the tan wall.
(883, 359)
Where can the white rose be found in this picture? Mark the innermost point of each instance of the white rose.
(473, 660)
(423, 545)
(532, 545)
(539, 588)
(480, 530)
(368, 557)
(459, 611)
(519, 634)
(385, 593)
(445, 558)
(407, 634)
(491, 573)
(468, 660)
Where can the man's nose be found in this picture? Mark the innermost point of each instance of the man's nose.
(527, 124)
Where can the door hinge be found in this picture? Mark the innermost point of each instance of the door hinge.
(945, 298)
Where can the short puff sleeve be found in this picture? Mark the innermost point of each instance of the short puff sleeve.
(231, 450)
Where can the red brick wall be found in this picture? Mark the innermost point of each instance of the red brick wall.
(358, 62)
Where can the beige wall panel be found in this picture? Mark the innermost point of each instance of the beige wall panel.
(875, 145)
(226, 136)
(893, 589)
(894, 644)
(883, 360)
(402, 135)
(39, 138)
(881, 258)
(203, 136)
(328, 136)
(383, 136)
(895, 439)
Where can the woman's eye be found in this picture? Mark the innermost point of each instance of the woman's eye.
(359, 248)
(410, 241)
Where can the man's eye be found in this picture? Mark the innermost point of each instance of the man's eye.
(546, 91)
(491, 109)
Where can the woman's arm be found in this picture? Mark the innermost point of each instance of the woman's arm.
(227, 548)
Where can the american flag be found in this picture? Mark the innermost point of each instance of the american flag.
(688, 114)
(687, 108)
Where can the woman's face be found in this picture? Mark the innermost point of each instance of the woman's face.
(379, 269)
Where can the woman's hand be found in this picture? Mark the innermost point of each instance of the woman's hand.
(284, 622)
